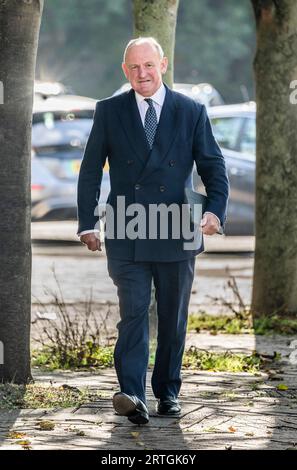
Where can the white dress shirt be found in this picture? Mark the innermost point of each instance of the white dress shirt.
(158, 100)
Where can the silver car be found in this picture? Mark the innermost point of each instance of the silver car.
(60, 129)
(234, 127)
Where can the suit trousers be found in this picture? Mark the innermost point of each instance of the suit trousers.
(173, 283)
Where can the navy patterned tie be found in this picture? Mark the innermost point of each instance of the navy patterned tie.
(150, 122)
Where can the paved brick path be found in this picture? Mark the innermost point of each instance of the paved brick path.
(220, 410)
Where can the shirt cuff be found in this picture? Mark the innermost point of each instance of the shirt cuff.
(84, 232)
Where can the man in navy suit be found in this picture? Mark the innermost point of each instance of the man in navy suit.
(152, 136)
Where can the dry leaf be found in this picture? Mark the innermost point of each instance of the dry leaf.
(23, 443)
(46, 425)
(232, 429)
(282, 387)
(16, 435)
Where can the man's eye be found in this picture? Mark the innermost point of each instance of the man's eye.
(149, 66)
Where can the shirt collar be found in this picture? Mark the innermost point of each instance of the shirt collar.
(157, 97)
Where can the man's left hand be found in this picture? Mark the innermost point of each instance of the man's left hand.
(209, 224)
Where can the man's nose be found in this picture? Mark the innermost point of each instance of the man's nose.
(141, 72)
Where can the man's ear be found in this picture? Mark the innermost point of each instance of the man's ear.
(125, 69)
(164, 65)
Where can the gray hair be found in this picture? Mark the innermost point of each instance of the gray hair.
(144, 40)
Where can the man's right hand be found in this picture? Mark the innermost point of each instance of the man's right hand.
(92, 241)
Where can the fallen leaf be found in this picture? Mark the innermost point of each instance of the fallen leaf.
(211, 429)
(46, 425)
(23, 443)
(134, 434)
(282, 387)
(232, 429)
(16, 435)
(251, 434)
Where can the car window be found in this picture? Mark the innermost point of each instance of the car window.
(46, 116)
(248, 138)
(56, 132)
(226, 131)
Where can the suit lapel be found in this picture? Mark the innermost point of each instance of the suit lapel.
(166, 131)
(131, 122)
(165, 135)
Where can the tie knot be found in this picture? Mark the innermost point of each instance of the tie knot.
(149, 101)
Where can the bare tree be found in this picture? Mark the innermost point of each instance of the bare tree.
(19, 29)
(275, 66)
(157, 18)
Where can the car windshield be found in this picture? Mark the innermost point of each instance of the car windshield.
(53, 132)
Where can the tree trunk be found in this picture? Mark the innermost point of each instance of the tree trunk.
(275, 66)
(19, 29)
(157, 18)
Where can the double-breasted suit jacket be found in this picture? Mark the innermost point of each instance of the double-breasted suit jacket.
(150, 176)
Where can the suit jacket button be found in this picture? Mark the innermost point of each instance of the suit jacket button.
(162, 189)
(130, 162)
(172, 163)
(137, 186)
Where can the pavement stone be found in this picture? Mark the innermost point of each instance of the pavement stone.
(219, 410)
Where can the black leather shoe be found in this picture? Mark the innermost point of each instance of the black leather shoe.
(132, 407)
(168, 407)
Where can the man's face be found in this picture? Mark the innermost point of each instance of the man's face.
(144, 68)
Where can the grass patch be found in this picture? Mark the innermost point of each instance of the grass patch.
(193, 359)
(242, 320)
(275, 324)
(221, 362)
(242, 324)
(219, 324)
(87, 355)
(35, 396)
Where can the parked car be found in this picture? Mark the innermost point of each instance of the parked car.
(234, 127)
(204, 93)
(60, 129)
(45, 89)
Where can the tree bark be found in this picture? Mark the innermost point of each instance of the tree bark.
(157, 18)
(275, 66)
(19, 30)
